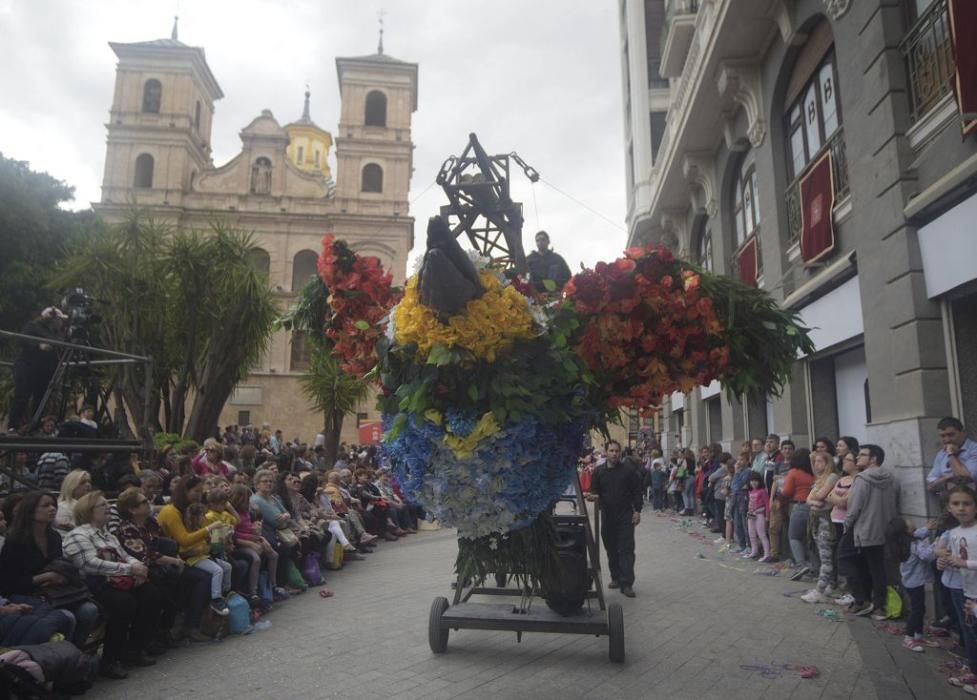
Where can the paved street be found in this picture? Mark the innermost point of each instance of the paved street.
(699, 628)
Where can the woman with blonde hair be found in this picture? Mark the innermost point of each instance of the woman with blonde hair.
(75, 485)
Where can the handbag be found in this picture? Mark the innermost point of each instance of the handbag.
(66, 594)
(288, 537)
(310, 570)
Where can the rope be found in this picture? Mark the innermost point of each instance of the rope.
(584, 205)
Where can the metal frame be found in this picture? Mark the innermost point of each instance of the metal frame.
(72, 356)
(477, 186)
(507, 617)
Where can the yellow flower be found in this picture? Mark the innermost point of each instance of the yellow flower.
(433, 416)
(488, 326)
(464, 447)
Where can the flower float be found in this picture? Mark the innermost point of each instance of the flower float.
(487, 395)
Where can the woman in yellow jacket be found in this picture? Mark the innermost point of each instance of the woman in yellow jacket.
(194, 542)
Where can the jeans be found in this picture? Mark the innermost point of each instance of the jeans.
(658, 497)
(917, 609)
(967, 633)
(776, 527)
(757, 527)
(617, 533)
(688, 495)
(797, 532)
(220, 575)
(740, 503)
(85, 616)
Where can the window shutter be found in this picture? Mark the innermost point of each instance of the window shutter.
(963, 23)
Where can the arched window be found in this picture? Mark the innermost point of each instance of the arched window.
(196, 117)
(704, 249)
(376, 109)
(812, 110)
(746, 205)
(260, 260)
(372, 178)
(152, 95)
(261, 176)
(304, 268)
(144, 171)
(300, 158)
(301, 353)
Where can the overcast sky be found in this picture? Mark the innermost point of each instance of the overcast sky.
(541, 77)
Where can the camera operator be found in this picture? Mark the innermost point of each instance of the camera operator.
(35, 364)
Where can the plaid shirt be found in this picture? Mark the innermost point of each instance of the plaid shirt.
(97, 552)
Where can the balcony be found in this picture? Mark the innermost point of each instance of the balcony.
(839, 173)
(677, 35)
(929, 59)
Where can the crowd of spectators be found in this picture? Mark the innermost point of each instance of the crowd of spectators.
(138, 556)
(829, 516)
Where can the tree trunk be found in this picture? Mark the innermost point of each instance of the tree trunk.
(334, 427)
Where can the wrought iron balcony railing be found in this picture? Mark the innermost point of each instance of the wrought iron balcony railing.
(929, 59)
(839, 172)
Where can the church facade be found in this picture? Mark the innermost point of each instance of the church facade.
(279, 187)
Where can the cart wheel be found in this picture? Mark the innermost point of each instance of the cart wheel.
(615, 632)
(437, 635)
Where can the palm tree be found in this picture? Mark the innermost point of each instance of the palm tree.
(331, 390)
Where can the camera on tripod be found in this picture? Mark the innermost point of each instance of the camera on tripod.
(79, 307)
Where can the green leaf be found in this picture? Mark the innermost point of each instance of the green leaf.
(362, 325)
(473, 392)
(550, 285)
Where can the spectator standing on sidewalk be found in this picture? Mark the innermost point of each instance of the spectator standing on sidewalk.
(796, 489)
(871, 507)
(956, 463)
(916, 572)
(955, 554)
(616, 486)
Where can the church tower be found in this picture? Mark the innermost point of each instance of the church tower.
(374, 152)
(160, 122)
(308, 143)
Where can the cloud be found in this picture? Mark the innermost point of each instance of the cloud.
(541, 78)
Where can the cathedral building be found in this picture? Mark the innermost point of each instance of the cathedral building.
(279, 187)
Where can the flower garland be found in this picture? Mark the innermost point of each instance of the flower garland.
(360, 297)
(488, 326)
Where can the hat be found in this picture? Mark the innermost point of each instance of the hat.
(53, 312)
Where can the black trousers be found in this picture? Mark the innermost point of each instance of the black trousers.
(30, 383)
(917, 609)
(130, 618)
(617, 533)
(865, 569)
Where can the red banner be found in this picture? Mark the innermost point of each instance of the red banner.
(370, 433)
(748, 262)
(817, 201)
(963, 24)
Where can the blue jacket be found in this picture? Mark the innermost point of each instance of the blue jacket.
(917, 570)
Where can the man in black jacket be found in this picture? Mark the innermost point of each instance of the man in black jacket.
(545, 264)
(35, 364)
(616, 486)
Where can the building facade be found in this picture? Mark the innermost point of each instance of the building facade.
(818, 149)
(279, 187)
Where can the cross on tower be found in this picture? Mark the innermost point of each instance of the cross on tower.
(381, 13)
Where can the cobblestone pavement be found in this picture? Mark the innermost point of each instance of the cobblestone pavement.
(699, 628)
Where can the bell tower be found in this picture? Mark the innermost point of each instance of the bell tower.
(160, 122)
(374, 152)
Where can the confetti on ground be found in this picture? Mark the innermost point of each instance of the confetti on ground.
(889, 627)
(933, 631)
(775, 671)
(829, 614)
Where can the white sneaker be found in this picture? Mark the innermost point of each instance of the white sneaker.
(719, 540)
(846, 599)
(829, 591)
(813, 596)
